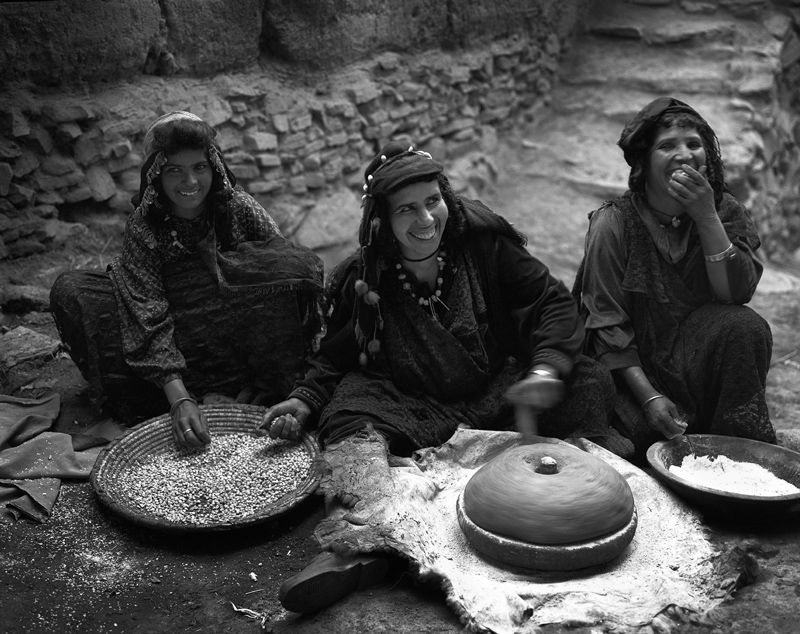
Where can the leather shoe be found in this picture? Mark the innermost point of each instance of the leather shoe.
(328, 578)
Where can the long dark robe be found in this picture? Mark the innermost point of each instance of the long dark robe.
(710, 358)
(242, 318)
(436, 373)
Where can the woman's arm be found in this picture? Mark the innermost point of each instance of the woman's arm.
(146, 324)
(732, 270)
(612, 339)
(543, 310)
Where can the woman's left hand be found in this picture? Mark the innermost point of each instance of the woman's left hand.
(691, 188)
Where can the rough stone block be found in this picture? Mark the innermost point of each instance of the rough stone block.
(116, 165)
(24, 247)
(297, 185)
(6, 174)
(341, 108)
(50, 183)
(9, 150)
(61, 112)
(268, 160)
(246, 171)
(49, 198)
(88, 148)
(26, 163)
(18, 123)
(261, 141)
(300, 122)
(78, 194)
(24, 346)
(363, 91)
(58, 165)
(315, 180)
(20, 299)
(264, 186)
(293, 142)
(41, 139)
(100, 183)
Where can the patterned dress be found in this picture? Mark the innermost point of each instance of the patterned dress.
(222, 301)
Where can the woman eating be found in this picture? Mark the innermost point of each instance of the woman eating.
(438, 319)
(206, 299)
(667, 270)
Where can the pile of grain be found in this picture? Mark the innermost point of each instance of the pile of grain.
(236, 476)
(724, 474)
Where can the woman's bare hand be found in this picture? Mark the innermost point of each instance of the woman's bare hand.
(189, 426)
(663, 416)
(286, 419)
(691, 188)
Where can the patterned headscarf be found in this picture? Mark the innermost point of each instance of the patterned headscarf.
(157, 141)
(396, 166)
(637, 137)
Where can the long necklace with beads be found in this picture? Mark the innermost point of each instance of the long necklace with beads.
(435, 298)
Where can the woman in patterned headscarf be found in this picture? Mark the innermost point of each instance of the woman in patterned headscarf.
(439, 319)
(206, 296)
(667, 269)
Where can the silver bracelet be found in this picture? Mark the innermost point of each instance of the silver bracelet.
(718, 257)
(177, 402)
(543, 372)
(652, 398)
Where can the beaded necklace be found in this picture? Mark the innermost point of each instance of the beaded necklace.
(434, 300)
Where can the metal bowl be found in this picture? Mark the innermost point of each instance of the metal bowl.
(781, 462)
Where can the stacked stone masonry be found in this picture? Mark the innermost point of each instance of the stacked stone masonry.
(282, 142)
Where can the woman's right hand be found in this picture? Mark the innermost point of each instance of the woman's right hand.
(285, 420)
(663, 416)
(189, 426)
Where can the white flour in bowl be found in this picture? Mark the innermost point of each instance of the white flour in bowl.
(724, 474)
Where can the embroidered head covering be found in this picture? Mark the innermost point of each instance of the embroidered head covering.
(151, 144)
(170, 133)
(637, 138)
(397, 165)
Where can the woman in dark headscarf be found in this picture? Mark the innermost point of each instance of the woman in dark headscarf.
(439, 313)
(668, 268)
(206, 296)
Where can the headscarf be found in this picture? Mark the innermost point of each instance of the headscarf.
(157, 141)
(636, 142)
(151, 144)
(396, 166)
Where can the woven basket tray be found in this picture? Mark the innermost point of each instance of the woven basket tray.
(154, 436)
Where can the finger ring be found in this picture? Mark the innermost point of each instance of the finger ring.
(186, 431)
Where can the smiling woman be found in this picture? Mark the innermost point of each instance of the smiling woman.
(207, 299)
(440, 319)
(667, 270)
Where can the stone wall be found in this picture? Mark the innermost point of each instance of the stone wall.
(60, 42)
(299, 144)
(777, 179)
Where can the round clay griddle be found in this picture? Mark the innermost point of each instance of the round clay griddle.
(548, 494)
(564, 557)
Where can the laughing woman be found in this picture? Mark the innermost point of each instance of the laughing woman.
(668, 268)
(440, 317)
(206, 297)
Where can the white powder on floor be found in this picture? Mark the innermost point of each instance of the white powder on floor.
(724, 474)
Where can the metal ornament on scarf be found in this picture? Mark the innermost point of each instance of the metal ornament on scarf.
(369, 296)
